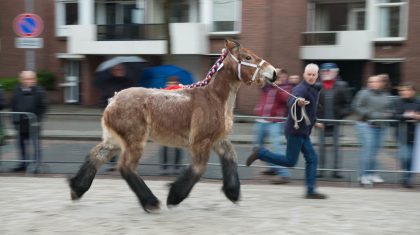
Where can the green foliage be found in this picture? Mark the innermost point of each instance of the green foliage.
(45, 79)
(8, 83)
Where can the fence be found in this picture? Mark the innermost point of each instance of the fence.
(71, 135)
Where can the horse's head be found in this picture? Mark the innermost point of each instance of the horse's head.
(251, 68)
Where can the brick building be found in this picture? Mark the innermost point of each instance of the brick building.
(362, 36)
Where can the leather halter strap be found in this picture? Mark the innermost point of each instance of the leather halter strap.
(258, 67)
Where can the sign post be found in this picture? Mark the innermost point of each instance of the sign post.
(28, 27)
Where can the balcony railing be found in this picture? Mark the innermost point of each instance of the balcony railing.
(319, 38)
(131, 32)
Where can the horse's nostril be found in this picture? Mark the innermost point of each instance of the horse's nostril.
(274, 76)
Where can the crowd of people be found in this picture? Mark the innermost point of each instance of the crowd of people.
(320, 102)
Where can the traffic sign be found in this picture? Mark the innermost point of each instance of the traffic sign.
(29, 43)
(28, 25)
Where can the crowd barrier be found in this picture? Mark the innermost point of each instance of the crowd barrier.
(347, 139)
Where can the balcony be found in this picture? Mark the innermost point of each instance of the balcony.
(336, 45)
(131, 32)
(186, 38)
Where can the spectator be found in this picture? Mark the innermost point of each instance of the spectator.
(407, 108)
(297, 133)
(118, 80)
(2, 136)
(273, 103)
(28, 97)
(334, 103)
(171, 84)
(370, 104)
(294, 80)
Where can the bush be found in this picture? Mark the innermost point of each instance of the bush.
(9, 83)
(45, 79)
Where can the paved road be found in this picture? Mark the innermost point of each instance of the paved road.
(42, 206)
(65, 157)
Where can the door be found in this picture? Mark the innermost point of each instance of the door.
(71, 85)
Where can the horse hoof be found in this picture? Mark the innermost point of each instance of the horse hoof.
(74, 195)
(152, 207)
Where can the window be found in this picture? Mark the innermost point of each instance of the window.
(71, 13)
(67, 12)
(392, 20)
(226, 16)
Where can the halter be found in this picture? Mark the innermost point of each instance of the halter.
(258, 67)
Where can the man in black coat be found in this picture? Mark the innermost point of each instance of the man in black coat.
(334, 103)
(31, 98)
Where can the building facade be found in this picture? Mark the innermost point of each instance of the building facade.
(363, 37)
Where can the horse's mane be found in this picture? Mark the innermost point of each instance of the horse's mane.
(216, 67)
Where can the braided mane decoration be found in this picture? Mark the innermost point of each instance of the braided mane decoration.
(217, 65)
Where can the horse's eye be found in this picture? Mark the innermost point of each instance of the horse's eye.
(248, 58)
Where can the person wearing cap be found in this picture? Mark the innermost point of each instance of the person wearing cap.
(407, 110)
(334, 103)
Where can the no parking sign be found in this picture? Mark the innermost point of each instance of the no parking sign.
(28, 25)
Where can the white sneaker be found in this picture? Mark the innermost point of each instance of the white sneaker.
(365, 180)
(376, 179)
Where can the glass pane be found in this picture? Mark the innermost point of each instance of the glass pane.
(224, 15)
(72, 13)
(390, 1)
(360, 22)
(180, 11)
(389, 21)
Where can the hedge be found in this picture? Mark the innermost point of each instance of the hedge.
(45, 79)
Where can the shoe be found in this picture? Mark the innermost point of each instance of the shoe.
(112, 168)
(19, 169)
(376, 179)
(253, 156)
(337, 176)
(365, 180)
(315, 196)
(281, 180)
(268, 172)
(409, 186)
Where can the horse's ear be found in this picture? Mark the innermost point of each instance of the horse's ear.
(232, 46)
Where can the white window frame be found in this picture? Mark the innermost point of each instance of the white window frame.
(237, 17)
(403, 25)
(61, 11)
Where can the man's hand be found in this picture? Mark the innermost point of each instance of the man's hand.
(319, 125)
(302, 102)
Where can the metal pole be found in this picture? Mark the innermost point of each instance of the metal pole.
(29, 54)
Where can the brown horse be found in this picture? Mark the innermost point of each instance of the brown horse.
(198, 119)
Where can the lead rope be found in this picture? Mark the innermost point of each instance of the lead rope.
(216, 67)
(293, 109)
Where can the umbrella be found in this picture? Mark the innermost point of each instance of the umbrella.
(118, 60)
(156, 77)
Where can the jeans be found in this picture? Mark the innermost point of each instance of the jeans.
(371, 138)
(275, 132)
(405, 152)
(22, 142)
(295, 145)
(332, 131)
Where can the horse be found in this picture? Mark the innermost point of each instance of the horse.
(198, 119)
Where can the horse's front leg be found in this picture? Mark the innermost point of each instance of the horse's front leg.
(228, 159)
(181, 188)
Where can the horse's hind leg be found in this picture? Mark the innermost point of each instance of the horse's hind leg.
(128, 164)
(97, 156)
(181, 188)
(231, 183)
